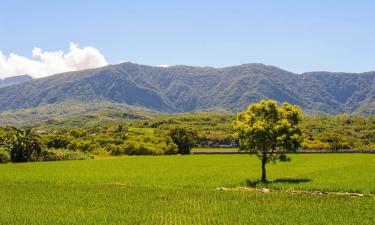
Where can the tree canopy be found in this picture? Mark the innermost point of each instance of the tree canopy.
(184, 138)
(269, 131)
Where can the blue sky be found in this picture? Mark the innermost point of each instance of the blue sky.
(295, 35)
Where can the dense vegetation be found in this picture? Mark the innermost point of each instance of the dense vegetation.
(25, 146)
(183, 88)
(149, 134)
(182, 190)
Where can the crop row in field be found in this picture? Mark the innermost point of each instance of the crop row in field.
(182, 190)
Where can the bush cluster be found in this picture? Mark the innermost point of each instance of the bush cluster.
(134, 148)
(77, 144)
(4, 156)
(170, 134)
(62, 154)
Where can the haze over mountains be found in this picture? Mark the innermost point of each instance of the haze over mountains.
(14, 80)
(185, 88)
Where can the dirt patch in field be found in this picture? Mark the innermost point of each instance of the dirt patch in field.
(321, 193)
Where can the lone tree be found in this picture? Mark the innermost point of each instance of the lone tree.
(269, 131)
(184, 138)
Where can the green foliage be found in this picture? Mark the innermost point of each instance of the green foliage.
(184, 138)
(77, 133)
(24, 146)
(62, 154)
(4, 155)
(169, 148)
(57, 141)
(121, 129)
(148, 133)
(82, 145)
(339, 132)
(269, 131)
(134, 148)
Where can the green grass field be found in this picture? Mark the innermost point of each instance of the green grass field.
(181, 190)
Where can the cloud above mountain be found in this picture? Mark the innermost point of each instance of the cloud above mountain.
(163, 65)
(44, 63)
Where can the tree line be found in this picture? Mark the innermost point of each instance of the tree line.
(171, 134)
(17, 145)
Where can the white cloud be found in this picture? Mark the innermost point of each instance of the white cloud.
(44, 63)
(163, 65)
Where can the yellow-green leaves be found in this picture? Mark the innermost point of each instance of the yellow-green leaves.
(269, 130)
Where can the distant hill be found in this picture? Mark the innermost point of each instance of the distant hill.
(14, 80)
(186, 88)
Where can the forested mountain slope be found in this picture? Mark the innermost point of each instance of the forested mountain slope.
(185, 88)
(14, 80)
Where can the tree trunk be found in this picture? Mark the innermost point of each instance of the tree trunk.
(264, 174)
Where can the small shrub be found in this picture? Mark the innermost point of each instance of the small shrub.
(62, 154)
(128, 148)
(135, 148)
(4, 156)
(57, 141)
(81, 145)
(100, 152)
(115, 150)
(169, 148)
(25, 146)
(142, 150)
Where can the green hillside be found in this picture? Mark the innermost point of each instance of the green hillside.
(184, 88)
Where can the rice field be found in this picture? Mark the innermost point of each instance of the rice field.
(182, 190)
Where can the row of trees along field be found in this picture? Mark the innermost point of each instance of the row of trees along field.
(18, 145)
(318, 132)
(171, 134)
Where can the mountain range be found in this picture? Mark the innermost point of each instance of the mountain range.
(14, 80)
(186, 88)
